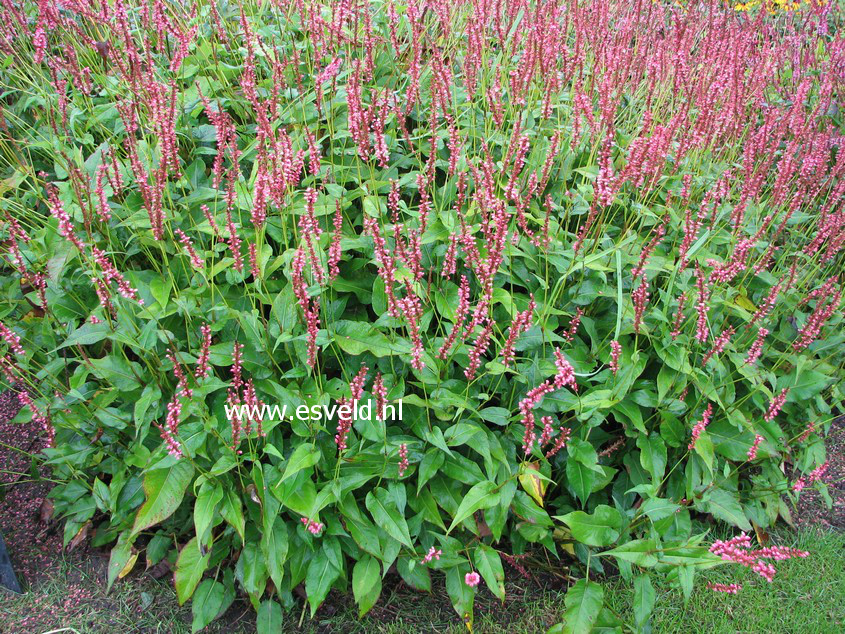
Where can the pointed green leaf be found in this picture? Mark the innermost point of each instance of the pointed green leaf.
(274, 546)
(321, 574)
(725, 506)
(386, 515)
(644, 596)
(640, 552)
(489, 564)
(366, 583)
(462, 596)
(601, 528)
(165, 489)
(583, 601)
(304, 456)
(580, 479)
(190, 567)
(269, 618)
(208, 498)
(481, 496)
(207, 603)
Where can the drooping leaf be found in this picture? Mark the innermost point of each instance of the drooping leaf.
(190, 567)
(644, 596)
(584, 601)
(270, 618)
(366, 583)
(725, 506)
(321, 574)
(639, 551)
(165, 489)
(207, 603)
(489, 564)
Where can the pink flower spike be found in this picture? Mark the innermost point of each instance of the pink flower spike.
(561, 441)
(776, 405)
(727, 588)
(311, 526)
(565, 372)
(203, 369)
(433, 553)
(615, 351)
(12, 339)
(196, 260)
(700, 426)
(752, 452)
(403, 459)
(472, 579)
(757, 347)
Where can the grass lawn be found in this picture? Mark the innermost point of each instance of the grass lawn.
(806, 596)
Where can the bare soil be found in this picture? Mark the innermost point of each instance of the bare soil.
(812, 509)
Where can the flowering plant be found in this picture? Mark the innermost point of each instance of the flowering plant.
(594, 247)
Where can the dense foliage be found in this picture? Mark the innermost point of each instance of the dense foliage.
(594, 248)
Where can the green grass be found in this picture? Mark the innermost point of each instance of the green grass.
(807, 596)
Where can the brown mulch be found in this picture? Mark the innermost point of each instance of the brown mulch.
(33, 543)
(812, 509)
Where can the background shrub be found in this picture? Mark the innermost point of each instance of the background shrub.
(594, 249)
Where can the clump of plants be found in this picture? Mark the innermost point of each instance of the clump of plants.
(591, 251)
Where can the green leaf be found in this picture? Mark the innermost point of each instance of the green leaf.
(644, 596)
(383, 509)
(160, 289)
(86, 334)
(584, 601)
(252, 571)
(462, 596)
(321, 574)
(165, 489)
(122, 374)
(414, 574)
(658, 508)
(274, 546)
(366, 583)
(190, 567)
(269, 618)
(481, 496)
(730, 442)
(371, 206)
(208, 498)
(704, 448)
(495, 415)
(207, 604)
(489, 564)
(120, 555)
(429, 466)
(232, 511)
(638, 551)
(652, 455)
(724, 505)
(599, 529)
(580, 479)
(150, 395)
(304, 456)
(357, 337)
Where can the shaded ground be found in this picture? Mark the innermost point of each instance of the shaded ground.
(67, 589)
(32, 543)
(812, 509)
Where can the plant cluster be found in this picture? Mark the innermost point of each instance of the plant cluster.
(595, 248)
